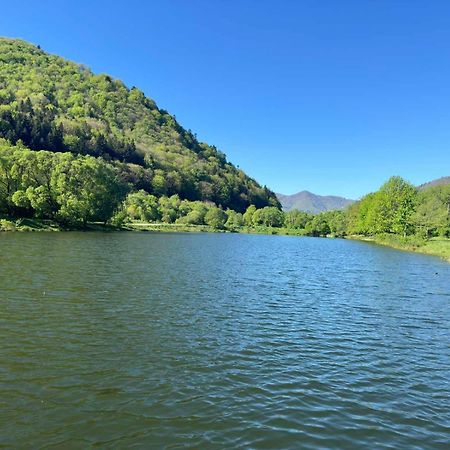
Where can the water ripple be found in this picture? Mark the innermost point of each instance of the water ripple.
(221, 341)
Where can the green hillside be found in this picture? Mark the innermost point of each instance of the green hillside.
(49, 103)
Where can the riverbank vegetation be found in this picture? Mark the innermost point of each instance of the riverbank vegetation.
(78, 150)
(41, 190)
(398, 215)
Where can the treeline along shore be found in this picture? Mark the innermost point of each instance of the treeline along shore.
(42, 190)
(80, 150)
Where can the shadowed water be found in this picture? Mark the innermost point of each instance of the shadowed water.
(129, 340)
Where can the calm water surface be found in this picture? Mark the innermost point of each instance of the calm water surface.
(129, 340)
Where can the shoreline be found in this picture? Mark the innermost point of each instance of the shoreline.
(439, 247)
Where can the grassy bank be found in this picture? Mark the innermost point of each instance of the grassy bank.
(169, 228)
(434, 246)
(49, 225)
(28, 225)
(185, 228)
(25, 225)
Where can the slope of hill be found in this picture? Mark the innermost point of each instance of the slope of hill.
(309, 202)
(49, 103)
(438, 182)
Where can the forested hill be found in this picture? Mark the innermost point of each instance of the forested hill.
(49, 103)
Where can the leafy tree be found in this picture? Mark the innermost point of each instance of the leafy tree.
(72, 189)
(337, 222)
(234, 221)
(168, 208)
(268, 216)
(248, 215)
(192, 213)
(216, 218)
(8, 182)
(396, 205)
(432, 215)
(296, 219)
(318, 226)
(142, 206)
(87, 189)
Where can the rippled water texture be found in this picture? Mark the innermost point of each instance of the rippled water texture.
(129, 340)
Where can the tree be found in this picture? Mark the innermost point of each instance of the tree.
(248, 215)
(318, 226)
(268, 216)
(296, 219)
(234, 221)
(192, 213)
(87, 189)
(337, 222)
(159, 183)
(396, 205)
(142, 206)
(216, 218)
(169, 208)
(8, 183)
(432, 215)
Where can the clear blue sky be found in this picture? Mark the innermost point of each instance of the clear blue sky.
(332, 96)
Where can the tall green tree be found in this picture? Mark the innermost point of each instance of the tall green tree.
(248, 215)
(396, 205)
(216, 218)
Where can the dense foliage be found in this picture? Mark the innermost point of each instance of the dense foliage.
(48, 103)
(76, 147)
(72, 189)
(397, 208)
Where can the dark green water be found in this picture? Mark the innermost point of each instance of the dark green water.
(131, 340)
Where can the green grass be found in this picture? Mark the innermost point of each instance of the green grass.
(437, 246)
(271, 230)
(434, 246)
(185, 228)
(170, 227)
(28, 225)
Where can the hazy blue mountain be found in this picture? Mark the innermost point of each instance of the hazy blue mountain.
(438, 182)
(307, 201)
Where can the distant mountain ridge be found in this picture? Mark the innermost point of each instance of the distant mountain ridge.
(438, 182)
(313, 203)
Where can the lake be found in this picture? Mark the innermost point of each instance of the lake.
(140, 340)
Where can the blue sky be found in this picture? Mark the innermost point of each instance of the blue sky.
(329, 96)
